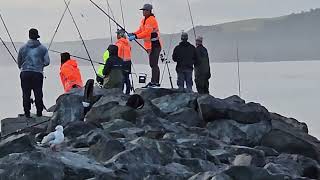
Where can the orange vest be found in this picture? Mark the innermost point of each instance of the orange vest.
(147, 27)
(70, 75)
(124, 47)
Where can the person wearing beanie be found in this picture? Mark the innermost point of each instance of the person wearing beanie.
(113, 69)
(202, 68)
(124, 52)
(70, 75)
(150, 33)
(32, 58)
(185, 56)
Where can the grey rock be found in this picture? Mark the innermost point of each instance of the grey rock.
(178, 170)
(116, 96)
(116, 124)
(233, 132)
(171, 103)
(267, 151)
(105, 150)
(293, 123)
(197, 165)
(128, 133)
(211, 109)
(89, 139)
(187, 116)
(153, 93)
(16, 144)
(111, 111)
(78, 128)
(253, 173)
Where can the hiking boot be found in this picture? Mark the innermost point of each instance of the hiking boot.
(152, 85)
(39, 114)
(27, 115)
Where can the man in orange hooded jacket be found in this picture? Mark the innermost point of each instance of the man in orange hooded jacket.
(150, 33)
(69, 73)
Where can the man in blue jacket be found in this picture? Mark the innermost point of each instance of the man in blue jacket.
(32, 58)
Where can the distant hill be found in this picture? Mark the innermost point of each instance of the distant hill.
(288, 38)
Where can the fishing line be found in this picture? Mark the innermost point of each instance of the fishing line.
(194, 30)
(5, 26)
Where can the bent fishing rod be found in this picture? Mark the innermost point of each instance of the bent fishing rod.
(82, 58)
(60, 21)
(84, 44)
(193, 27)
(105, 13)
(8, 33)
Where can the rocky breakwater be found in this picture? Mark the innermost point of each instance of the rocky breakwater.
(174, 136)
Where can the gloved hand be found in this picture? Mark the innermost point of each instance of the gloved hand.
(130, 34)
(132, 37)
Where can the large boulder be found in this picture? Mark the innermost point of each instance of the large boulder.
(285, 139)
(110, 111)
(153, 93)
(251, 173)
(211, 109)
(68, 109)
(116, 124)
(105, 150)
(114, 96)
(78, 128)
(187, 116)
(171, 103)
(16, 144)
(290, 122)
(232, 132)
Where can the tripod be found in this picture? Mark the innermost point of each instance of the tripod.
(165, 60)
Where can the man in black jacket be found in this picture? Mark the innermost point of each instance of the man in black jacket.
(113, 69)
(186, 56)
(202, 68)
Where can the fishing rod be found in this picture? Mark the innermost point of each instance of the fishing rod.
(84, 44)
(5, 26)
(60, 21)
(82, 58)
(194, 30)
(110, 29)
(104, 12)
(123, 22)
(4, 44)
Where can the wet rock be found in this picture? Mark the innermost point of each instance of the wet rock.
(233, 132)
(111, 111)
(172, 103)
(16, 144)
(212, 109)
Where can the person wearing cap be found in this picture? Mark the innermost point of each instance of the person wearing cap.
(202, 68)
(150, 33)
(100, 76)
(124, 53)
(185, 56)
(70, 75)
(113, 69)
(32, 58)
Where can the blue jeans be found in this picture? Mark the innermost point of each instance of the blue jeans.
(185, 77)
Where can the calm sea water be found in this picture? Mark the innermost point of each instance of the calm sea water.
(288, 88)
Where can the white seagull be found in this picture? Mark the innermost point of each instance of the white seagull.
(54, 139)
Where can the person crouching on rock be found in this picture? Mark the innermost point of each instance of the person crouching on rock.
(69, 73)
(113, 69)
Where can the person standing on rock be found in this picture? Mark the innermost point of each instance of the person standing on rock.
(185, 56)
(202, 68)
(125, 54)
(149, 31)
(32, 58)
(70, 75)
(113, 69)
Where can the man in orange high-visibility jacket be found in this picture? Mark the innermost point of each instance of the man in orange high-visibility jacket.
(69, 73)
(149, 32)
(124, 53)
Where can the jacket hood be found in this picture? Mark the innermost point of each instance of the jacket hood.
(184, 43)
(33, 43)
(72, 62)
(124, 41)
(113, 50)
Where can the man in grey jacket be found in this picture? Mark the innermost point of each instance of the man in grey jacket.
(32, 58)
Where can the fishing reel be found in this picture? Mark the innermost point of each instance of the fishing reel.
(164, 58)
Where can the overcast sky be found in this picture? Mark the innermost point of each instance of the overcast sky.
(173, 15)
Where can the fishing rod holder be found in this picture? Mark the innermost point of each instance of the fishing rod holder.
(142, 78)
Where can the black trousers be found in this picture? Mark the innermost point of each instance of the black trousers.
(153, 60)
(32, 81)
(202, 85)
(126, 78)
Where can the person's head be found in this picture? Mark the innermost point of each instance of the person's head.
(33, 34)
(199, 40)
(184, 36)
(147, 10)
(135, 101)
(121, 33)
(64, 57)
(113, 50)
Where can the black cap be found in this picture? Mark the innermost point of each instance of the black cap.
(64, 57)
(33, 34)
